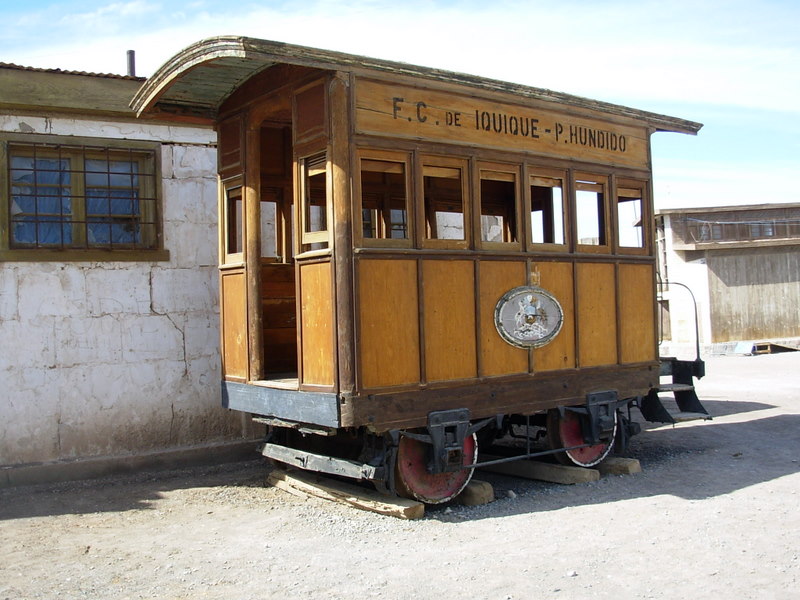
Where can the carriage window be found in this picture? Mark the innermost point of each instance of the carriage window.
(444, 202)
(233, 217)
(629, 217)
(590, 210)
(269, 223)
(384, 213)
(498, 207)
(315, 210)
(547, 210)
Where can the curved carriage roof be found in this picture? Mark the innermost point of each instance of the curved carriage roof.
(197, 80)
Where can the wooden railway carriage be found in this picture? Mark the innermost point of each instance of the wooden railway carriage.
(412, 260)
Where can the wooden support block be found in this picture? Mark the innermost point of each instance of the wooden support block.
(554, 473)
(476, 493)
(305, 484)
(618, 465)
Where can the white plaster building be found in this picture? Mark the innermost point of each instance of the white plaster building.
(109, 329)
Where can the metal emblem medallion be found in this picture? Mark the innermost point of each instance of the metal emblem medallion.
(528, 317)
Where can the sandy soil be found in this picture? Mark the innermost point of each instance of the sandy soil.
(714, 514)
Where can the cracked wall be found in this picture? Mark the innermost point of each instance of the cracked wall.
(117, 358)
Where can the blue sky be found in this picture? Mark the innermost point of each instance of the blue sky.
(732, 65)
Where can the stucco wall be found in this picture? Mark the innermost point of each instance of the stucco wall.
(109, 359)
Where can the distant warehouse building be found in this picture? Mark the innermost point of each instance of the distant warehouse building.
(741, 263)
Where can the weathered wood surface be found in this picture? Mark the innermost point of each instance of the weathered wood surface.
(637, 334)
(305, 484)
(619, 465)
(449, 319)
(388, 309)
(476, 493)
(317, 315)
(234, 327)
(532, 469)
(202, 75)
(412, 112)
(496, 356)
(557, 278)
(596, 314)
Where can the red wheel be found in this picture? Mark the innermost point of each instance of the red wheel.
(565, 432)
(413, 480)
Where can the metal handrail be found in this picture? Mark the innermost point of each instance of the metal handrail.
(662, 282)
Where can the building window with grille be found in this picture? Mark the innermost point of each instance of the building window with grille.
(80, 199)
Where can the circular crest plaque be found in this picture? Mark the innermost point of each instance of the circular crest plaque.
(528, 317)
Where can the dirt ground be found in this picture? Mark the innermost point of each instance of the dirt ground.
(712, 515)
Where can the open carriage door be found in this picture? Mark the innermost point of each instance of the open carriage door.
(257, 288)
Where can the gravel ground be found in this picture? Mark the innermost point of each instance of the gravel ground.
(713, 514)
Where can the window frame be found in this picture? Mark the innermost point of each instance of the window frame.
(532, 172)
(230, 190)
(308, 238)
(404, 158)
(467, 199)
(586, 179)
(643, 186)
(514, 171)
(81, 148)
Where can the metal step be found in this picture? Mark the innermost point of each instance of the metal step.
(674, 387)
(653, 409)
(683, 417)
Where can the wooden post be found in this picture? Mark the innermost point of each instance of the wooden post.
(252, 248)
(339, 107)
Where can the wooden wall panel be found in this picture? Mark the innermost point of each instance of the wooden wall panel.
(557, 279)
(316, 313)
(388, 321)
(498, 357)
(449, 304)
(597, 314)
(279, 318)
(637, 336)
(754, 293)
(234, 324)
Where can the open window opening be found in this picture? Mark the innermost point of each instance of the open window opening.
(590, 208)
(547, 210)
(498, 201)
(630, 220)
(384, 199)
(313, 176)
(443, 186)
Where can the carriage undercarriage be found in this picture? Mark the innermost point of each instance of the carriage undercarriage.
(433, 464)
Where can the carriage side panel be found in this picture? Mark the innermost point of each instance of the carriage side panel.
(388, 321)
(557, 278)
(497, 356)
(234, 331)
(316, 314)
(597, 314)
(448, 291)
(636, 307)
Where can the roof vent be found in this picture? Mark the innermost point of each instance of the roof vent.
(131, 63)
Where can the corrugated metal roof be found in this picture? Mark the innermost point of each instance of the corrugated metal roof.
(196, 81)
(4, 65)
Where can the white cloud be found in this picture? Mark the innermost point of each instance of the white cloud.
(621, 51)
